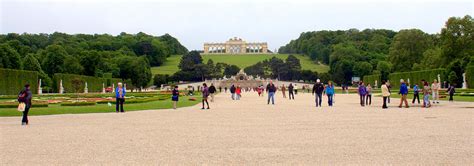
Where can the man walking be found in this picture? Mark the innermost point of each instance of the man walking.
(403, 91)
(271, 89)
(416, 94)
(362, 93)
(232, 92)
(283, 90)
(318, 88)
(212, 90)
(291, 95)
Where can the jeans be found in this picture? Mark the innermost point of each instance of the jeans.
(362, 99)
(272, 96)
(237, 97)
(330, 99)
(318, 99)
(384, 102)
(426, 100)
(119, 102)
(368, 100)
(291, 95)
(451, 97)
(416, 96)
(25, 114)
(232, 95)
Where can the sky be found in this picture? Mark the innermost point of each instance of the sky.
(194, 22)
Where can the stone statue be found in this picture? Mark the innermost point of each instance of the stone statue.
(85, 89)
(103, 88)
(40, 90)
(464, 83)
(376, 84)
(113, 88)
(439, 80)
(61, 88)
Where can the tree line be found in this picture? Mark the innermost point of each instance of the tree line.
(126, 56)
(378, 51)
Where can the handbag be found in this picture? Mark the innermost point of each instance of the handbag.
(21, 107)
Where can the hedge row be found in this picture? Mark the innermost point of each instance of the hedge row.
(15, 105)
(78, 103)
(370, 79)
(416, 77)
(12, 81)
(94, 84)
(470, 77)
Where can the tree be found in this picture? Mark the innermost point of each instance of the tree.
(72, 65)
(362, 68)
(277, 67)
(160, 79)
(407, 48)
(54, 58)
(456, 39)
(231, 70)
(141, 72)
(9, 58)
(90, 60)
(189, 60)
(31, 63)
(384, 68)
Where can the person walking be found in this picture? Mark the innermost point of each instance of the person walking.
(318, 88)
(220, 89)
(362, 93)
(225, 89)
(416, 94)
(451, 90)
(271, 89)
(435, 90)
(232, 92)
(212, 91)
(404, 92)
(259, 90)
(205, 95)
(25, 97)
(291, 95)
(296, 89)
(385, 94)
(389, 90)
(175, 96)
(368, 98)
(426, 94)
(283, 90)
(330, 92)
(119, 97)
(238, 92)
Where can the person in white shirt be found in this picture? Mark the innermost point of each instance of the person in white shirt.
(435, 91)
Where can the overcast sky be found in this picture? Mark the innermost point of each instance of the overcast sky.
(194, 22)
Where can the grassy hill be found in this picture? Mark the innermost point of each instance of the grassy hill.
(171, 64)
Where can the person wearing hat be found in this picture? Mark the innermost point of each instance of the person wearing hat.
(25, 96)
(403, 91)
(318, 88)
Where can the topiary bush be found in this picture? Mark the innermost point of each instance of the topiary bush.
(12, 81)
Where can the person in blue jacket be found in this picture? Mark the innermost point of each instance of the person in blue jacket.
(416, 94)
(362, 92)
(120, 97)
(403, 91)
(330, 92)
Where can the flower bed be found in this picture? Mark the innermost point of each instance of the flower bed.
(78, 103)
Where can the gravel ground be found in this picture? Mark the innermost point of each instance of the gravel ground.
(247, 132)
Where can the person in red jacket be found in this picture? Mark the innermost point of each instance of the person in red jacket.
(238, 92)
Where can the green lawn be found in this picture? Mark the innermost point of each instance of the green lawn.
(99, 108)
(171, 65)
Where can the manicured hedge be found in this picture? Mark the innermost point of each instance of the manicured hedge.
(372, 78)
(15, 105)
(78, 104)
(94, 84)
(416, 77)
(12, 81)
(470, 77)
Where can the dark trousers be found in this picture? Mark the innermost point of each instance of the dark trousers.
(368, 100)
(25, 114)
(204, 100)
(296, 91)
(384, 102)
(119, 103)
(417, 97)
(318, 99)
(362, 99)
(450, 97)
(330, 100)
(291, 95)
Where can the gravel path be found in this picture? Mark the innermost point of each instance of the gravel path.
(247, 132)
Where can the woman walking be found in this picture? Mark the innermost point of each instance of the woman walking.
(283, 90)
(362, 93)
(435, 90)
(426, 94)
(25, 96)
(238, 92)
(385, 94)
(368, 98)
(119, 97)
(205, 95)
(330, 92)
(175, 96)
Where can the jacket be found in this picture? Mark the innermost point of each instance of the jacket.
(205, 91)
(271, 88)
(416, 90)
(362, 90)
(385, 92)
(212, 89)
(232, 89)
(330, 90)
(318, 88)
(290, 88)
(117, 92)
(403, 89)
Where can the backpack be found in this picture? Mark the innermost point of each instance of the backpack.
(22, 96)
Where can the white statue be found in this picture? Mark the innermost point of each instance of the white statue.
(439, 80)
(376, 84)
(408, 81)
(40, 90)
(61, 88)
(103, 88)
(113, 88)
(464, 83)
(85, 89)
